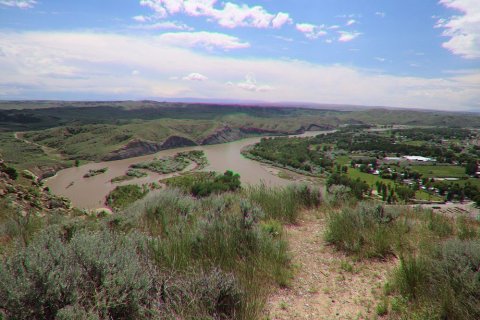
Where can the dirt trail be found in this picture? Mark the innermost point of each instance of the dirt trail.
(52, 153)
(327, 284)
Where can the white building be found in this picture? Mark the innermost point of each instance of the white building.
(418, 158)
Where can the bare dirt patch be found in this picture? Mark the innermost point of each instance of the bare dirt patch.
(327, 283)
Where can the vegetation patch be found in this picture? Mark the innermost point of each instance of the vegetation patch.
(176, 163)
(130, 175)
(203, 184)
(367, 230)
(440, 283)
(94, 172)
(123, 196)
(284, 204)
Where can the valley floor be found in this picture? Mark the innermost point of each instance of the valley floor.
(327, 284)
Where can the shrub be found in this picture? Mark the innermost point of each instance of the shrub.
(443, 281)
(202, 295)
(284, 204)
(466, 229)
(276, 203)
(224, 232)
(339, 195)
(309, 197)
(123, 196)
(229, 181)
(95, 274)
(368, 230)
(11, 172)
(410, 276)
(438, 224)
(358, 188)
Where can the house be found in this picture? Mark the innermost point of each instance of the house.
(418, 158)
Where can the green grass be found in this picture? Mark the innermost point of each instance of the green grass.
(123, 196)
(367, 230)
(423, 195)
(284, 204)
(440, 171)
(473, 181)
(370, 179)
(415, 143)
(26, 156)
(343, 160)
(441, 283)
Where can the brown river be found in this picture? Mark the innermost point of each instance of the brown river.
(90, 193)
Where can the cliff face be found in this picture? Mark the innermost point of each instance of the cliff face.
(260, 131)
(225, 134)
(228, 134)
(139, 147)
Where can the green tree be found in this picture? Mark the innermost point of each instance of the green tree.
(471, 168)
(404, 193)
(11, 172)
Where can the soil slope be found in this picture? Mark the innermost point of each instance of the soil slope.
(327, 284)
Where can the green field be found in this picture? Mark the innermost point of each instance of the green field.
(370, 179)
(440, 171)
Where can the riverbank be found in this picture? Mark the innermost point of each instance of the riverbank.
(91, 193)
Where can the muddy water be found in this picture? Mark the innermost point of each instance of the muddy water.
(90, 193)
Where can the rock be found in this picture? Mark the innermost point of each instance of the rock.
(140, 147)
(226, 134)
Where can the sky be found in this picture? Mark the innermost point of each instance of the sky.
(398, 53)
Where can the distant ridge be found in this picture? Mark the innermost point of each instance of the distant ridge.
(41, 104)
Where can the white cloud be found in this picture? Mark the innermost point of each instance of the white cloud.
(380, 59)
(38, 65)
(173, 25)
(250, 84)
(463, 30)
(208, 40)
(350, 22)
(230, 15)
(195, 77)
(22, 4)
(311, 31)
(281, 19)
(347, 36)
(381, 14)
(135, 73)
(142, 19)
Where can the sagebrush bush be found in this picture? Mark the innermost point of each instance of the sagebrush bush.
(224, 232)
(94, 273)
(368, 230)
(443, 282)
(201, 295)
(101, 275)
(339, 195)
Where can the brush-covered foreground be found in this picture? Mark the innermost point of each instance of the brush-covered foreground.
(174, 255)
(168, 256)
(438, 274)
